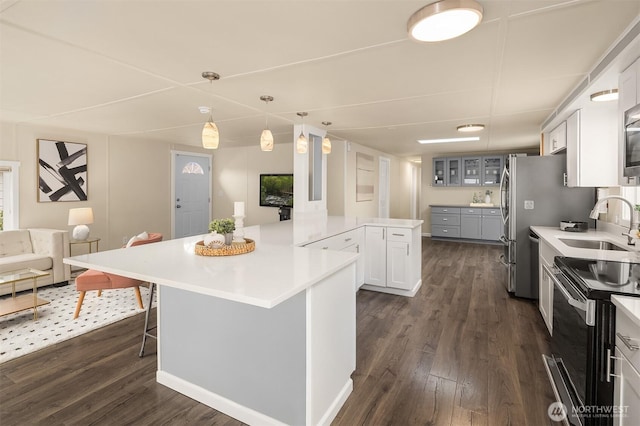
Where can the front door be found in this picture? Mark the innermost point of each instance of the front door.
(192, 194)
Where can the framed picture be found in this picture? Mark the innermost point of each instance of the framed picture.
(62, 171)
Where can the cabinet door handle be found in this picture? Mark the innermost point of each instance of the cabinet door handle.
(444, 230)
(325, 248)
(627, 342)
(407, 249)
(383, 229)
(445, 210)
(444, 219)
(347, 240)
(357, 248)
(402, 235)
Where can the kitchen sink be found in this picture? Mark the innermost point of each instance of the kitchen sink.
(592, 244)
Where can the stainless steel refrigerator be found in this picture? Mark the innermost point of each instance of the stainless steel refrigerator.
(532, 192)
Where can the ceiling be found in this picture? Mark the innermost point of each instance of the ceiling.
(133, 68)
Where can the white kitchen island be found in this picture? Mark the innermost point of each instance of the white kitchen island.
(266, 337)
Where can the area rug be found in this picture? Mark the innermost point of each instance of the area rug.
(20, 334)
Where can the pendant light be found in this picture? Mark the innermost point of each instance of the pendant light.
(302, 143)
(266, 138)
(210, 134)
(326, 142)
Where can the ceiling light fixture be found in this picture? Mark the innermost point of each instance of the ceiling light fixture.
(470, 128)
(444, 20)
(326, 142)
(266, 138)
(210, 134)
(468, 139)
(605, 95)
(302, 143)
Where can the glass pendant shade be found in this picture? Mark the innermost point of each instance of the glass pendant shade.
(326, 145)
(301, 144)
(210, 135)
(266, 140)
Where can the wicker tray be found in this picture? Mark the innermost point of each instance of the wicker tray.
(232, 250)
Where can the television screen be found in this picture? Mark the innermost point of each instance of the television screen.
(276, 190)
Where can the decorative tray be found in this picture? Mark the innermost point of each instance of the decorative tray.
(232, 250)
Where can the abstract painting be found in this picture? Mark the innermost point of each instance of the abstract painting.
(364, 177)
(62, 171)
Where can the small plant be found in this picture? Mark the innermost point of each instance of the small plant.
(222, 226)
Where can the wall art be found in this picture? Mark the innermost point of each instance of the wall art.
(62, 171)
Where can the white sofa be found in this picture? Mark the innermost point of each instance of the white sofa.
(41, 249)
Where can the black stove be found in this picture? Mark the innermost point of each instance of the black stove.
(583, 337)
(599, 279)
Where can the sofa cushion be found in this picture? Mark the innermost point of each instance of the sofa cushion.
(15, 242)
(23, 261)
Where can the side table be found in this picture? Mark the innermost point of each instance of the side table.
(90, 241)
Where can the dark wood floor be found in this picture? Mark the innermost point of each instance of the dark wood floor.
(461, 352)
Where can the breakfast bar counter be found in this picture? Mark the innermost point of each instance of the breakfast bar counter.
(267, 337)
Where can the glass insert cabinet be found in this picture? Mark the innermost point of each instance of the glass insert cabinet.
(468, 171)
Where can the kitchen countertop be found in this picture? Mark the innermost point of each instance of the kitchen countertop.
(478, 205)
(277, 269)
(552, 236)
(629, 305)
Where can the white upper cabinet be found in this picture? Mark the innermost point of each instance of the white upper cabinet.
(592, 148)
(558, 138)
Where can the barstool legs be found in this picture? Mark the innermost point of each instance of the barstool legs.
(146, 333)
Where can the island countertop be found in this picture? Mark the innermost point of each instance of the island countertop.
(265, 277)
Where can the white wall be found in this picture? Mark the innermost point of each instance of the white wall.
(341, 167)
(236, 177)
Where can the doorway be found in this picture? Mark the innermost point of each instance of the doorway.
(190, 193)
(9, 195)
(383, 193)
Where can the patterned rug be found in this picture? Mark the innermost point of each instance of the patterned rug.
(20, 334)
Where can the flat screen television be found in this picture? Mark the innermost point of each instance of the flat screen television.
(276, 190)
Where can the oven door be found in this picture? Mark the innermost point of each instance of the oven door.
(568, 366)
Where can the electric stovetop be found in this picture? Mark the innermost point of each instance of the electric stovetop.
(599, 279)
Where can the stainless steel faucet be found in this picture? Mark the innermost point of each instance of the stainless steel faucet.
(594, 214)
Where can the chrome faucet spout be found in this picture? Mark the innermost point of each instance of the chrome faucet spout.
(594, 214)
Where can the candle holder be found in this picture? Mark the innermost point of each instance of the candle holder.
(238, 234)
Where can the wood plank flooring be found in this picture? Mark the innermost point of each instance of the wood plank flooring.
(461, 352)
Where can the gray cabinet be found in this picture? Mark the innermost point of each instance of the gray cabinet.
(492, 170)
(445, 222)
(468, 171)
(454, 166)
(439, 171)
(471, 171)
(492, 227)
(470, 223)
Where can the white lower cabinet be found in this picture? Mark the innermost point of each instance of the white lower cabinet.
(626, 389)
(393, 258)
(545, 283)
(351, 241)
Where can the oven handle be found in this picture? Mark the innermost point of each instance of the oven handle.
(587, 306)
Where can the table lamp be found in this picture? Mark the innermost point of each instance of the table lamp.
(80, 217)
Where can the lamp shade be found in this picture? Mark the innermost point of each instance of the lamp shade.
(210, 135)
(81, 216)
(326, 145)
(266, 140)
(444, 20)
(301, 144)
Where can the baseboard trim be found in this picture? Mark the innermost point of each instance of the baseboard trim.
(337, 404)
(215, 401)
(396, 291)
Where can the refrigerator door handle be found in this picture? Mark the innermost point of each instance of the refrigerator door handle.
(505, 174)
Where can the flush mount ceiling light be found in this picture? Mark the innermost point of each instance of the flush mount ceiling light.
(210, 134)
(444, 20)
(266, 138)
(326, 142)
(302, 143)
(470, 128)
(469, 139)
(605, 95)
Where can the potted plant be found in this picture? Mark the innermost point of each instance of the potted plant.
(224, 227)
